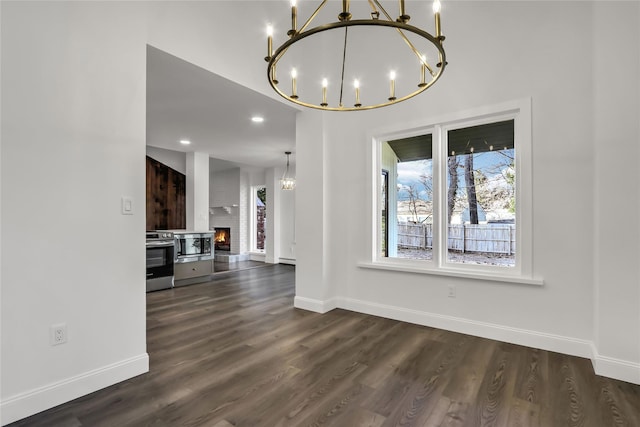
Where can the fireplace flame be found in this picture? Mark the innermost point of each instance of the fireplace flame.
(221, 237)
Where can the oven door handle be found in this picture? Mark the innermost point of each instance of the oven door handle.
(160, 244)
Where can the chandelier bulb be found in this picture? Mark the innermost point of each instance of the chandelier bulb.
(392, 89)
(436, 11)
(269, 43)
(325, 83)
(294, 74)
(294, 19)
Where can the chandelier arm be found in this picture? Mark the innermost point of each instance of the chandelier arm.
(312, 17)
(373, 6)
(344, 59)
(383, 10)
(413, 48)
(406, 40)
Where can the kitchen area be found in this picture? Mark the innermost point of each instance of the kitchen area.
(189, 242)
(178, 257)
(175, 255)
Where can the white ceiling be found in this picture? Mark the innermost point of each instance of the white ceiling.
(185, 101)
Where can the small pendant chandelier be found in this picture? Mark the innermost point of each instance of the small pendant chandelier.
(287, 182)
(416, 64)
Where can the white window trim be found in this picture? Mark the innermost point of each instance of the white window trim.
(519, 110)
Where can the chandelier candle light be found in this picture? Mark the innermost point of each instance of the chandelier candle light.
(294, 75)
(399, 90)
(325, 83)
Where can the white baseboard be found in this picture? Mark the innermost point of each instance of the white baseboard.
(557, 343)
(289, 261)
(602, 365)
(31, 402)
(256, 256)
(615, 368)
(315, 305)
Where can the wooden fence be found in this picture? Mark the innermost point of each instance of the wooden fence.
(483, 238)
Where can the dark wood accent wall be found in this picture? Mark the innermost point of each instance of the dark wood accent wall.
(166, 197)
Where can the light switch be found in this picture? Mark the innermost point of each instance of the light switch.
(127, 205)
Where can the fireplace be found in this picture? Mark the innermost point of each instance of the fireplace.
(222, 239)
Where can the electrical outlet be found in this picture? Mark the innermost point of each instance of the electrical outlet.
(452, 291)
(58, 334)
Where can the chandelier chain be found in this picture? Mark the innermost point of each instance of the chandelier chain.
(344, 59)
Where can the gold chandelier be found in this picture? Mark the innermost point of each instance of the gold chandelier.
(414, 40)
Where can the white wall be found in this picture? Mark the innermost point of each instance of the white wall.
(197, 186)
(73, 143)
(243, 212)
(616, 110)
(499, 52)
(287, 224)
(272, 227)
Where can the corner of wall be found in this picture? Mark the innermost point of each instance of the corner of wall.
(33, 401)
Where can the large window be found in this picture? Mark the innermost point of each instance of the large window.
(454, 196)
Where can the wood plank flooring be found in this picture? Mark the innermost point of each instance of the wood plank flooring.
(234, 352)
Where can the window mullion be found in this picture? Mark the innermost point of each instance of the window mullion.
(439, 180)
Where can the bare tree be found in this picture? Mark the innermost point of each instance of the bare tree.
(427, 184)
(470, 183)
(414, 197)
(452, 164)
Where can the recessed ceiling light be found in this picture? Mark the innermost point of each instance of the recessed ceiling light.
(257, 119)
(185, 142)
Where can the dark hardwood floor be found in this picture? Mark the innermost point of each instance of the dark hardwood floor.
(234, 352)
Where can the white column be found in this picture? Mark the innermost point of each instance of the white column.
(313, 291)
(197, 209)
(616, 201)
(272, 252)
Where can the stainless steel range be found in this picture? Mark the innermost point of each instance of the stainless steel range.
(160, 259)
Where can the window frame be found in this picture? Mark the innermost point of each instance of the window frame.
(518, 110)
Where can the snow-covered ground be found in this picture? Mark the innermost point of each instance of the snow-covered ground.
(466, 258)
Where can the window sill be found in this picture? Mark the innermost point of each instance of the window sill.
(452, 273)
